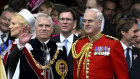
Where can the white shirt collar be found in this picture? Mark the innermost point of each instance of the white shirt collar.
(46, 41)
(16, 41)
(124, 46)
(70, 38)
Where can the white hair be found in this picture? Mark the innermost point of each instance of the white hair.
(99, 13)
(42, 15)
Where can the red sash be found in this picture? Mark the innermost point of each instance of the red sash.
(33, 65)
(6, 55)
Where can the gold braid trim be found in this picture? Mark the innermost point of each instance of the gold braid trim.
(75, 55)
(81, 55)
(39, 66)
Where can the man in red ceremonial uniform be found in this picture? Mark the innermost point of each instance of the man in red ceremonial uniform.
(98, 56)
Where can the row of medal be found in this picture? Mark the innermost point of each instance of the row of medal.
(102, 50)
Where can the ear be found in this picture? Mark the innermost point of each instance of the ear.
(99, 23)
(52, 29)
(122, 32)
(50, 10)
(75, 24)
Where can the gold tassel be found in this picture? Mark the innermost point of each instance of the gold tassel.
(2, 70)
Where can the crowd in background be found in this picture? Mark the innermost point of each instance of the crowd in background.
(121, 20)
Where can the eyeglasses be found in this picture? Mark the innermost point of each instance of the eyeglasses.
(5, 18)
(67, 19)
(89, 21)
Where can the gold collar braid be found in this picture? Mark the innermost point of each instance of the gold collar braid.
(96, 37)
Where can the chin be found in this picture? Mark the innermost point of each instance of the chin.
(13, 35)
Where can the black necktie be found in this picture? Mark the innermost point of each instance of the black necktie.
(2, 37)
(128, 57)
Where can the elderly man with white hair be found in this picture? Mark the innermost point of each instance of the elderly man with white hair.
(37, 58)
(98, 56)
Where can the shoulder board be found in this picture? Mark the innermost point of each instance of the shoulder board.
(82, 37)
(108, 36)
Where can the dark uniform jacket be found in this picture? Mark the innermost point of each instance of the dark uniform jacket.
(29, 68)
(70, 57)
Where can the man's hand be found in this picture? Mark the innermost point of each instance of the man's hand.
(24, 36)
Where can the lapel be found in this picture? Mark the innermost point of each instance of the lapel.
(57, 39)
(70, 53)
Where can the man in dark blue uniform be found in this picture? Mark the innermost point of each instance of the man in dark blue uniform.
(40, 58)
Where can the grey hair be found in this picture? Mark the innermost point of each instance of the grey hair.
(99, 13)
(43, 16)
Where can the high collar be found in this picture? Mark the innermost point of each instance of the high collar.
(96, 37)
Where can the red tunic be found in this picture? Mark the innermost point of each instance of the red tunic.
(97, 65)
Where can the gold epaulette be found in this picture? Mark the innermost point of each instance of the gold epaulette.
(82, 37)
(108, 36)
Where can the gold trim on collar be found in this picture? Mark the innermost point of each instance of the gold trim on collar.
(96, 37)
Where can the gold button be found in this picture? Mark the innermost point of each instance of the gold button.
(90, 47)
(89, 52)
(89, 55)
(87, 68)
(87, 63)
(88, 60)
(87, 77)
(87, 72)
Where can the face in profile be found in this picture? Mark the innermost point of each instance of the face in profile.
(15, 27)
(5, 20)
(43, 29)
(130, 36)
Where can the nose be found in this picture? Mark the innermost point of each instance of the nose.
(44, 28)
(65, 21)
(86, 23)
(10, 26)
(110, 12)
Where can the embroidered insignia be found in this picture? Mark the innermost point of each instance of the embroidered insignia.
(2, 48)
(135, 56)
(59, 46)
(61, 68)
(102, 50)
